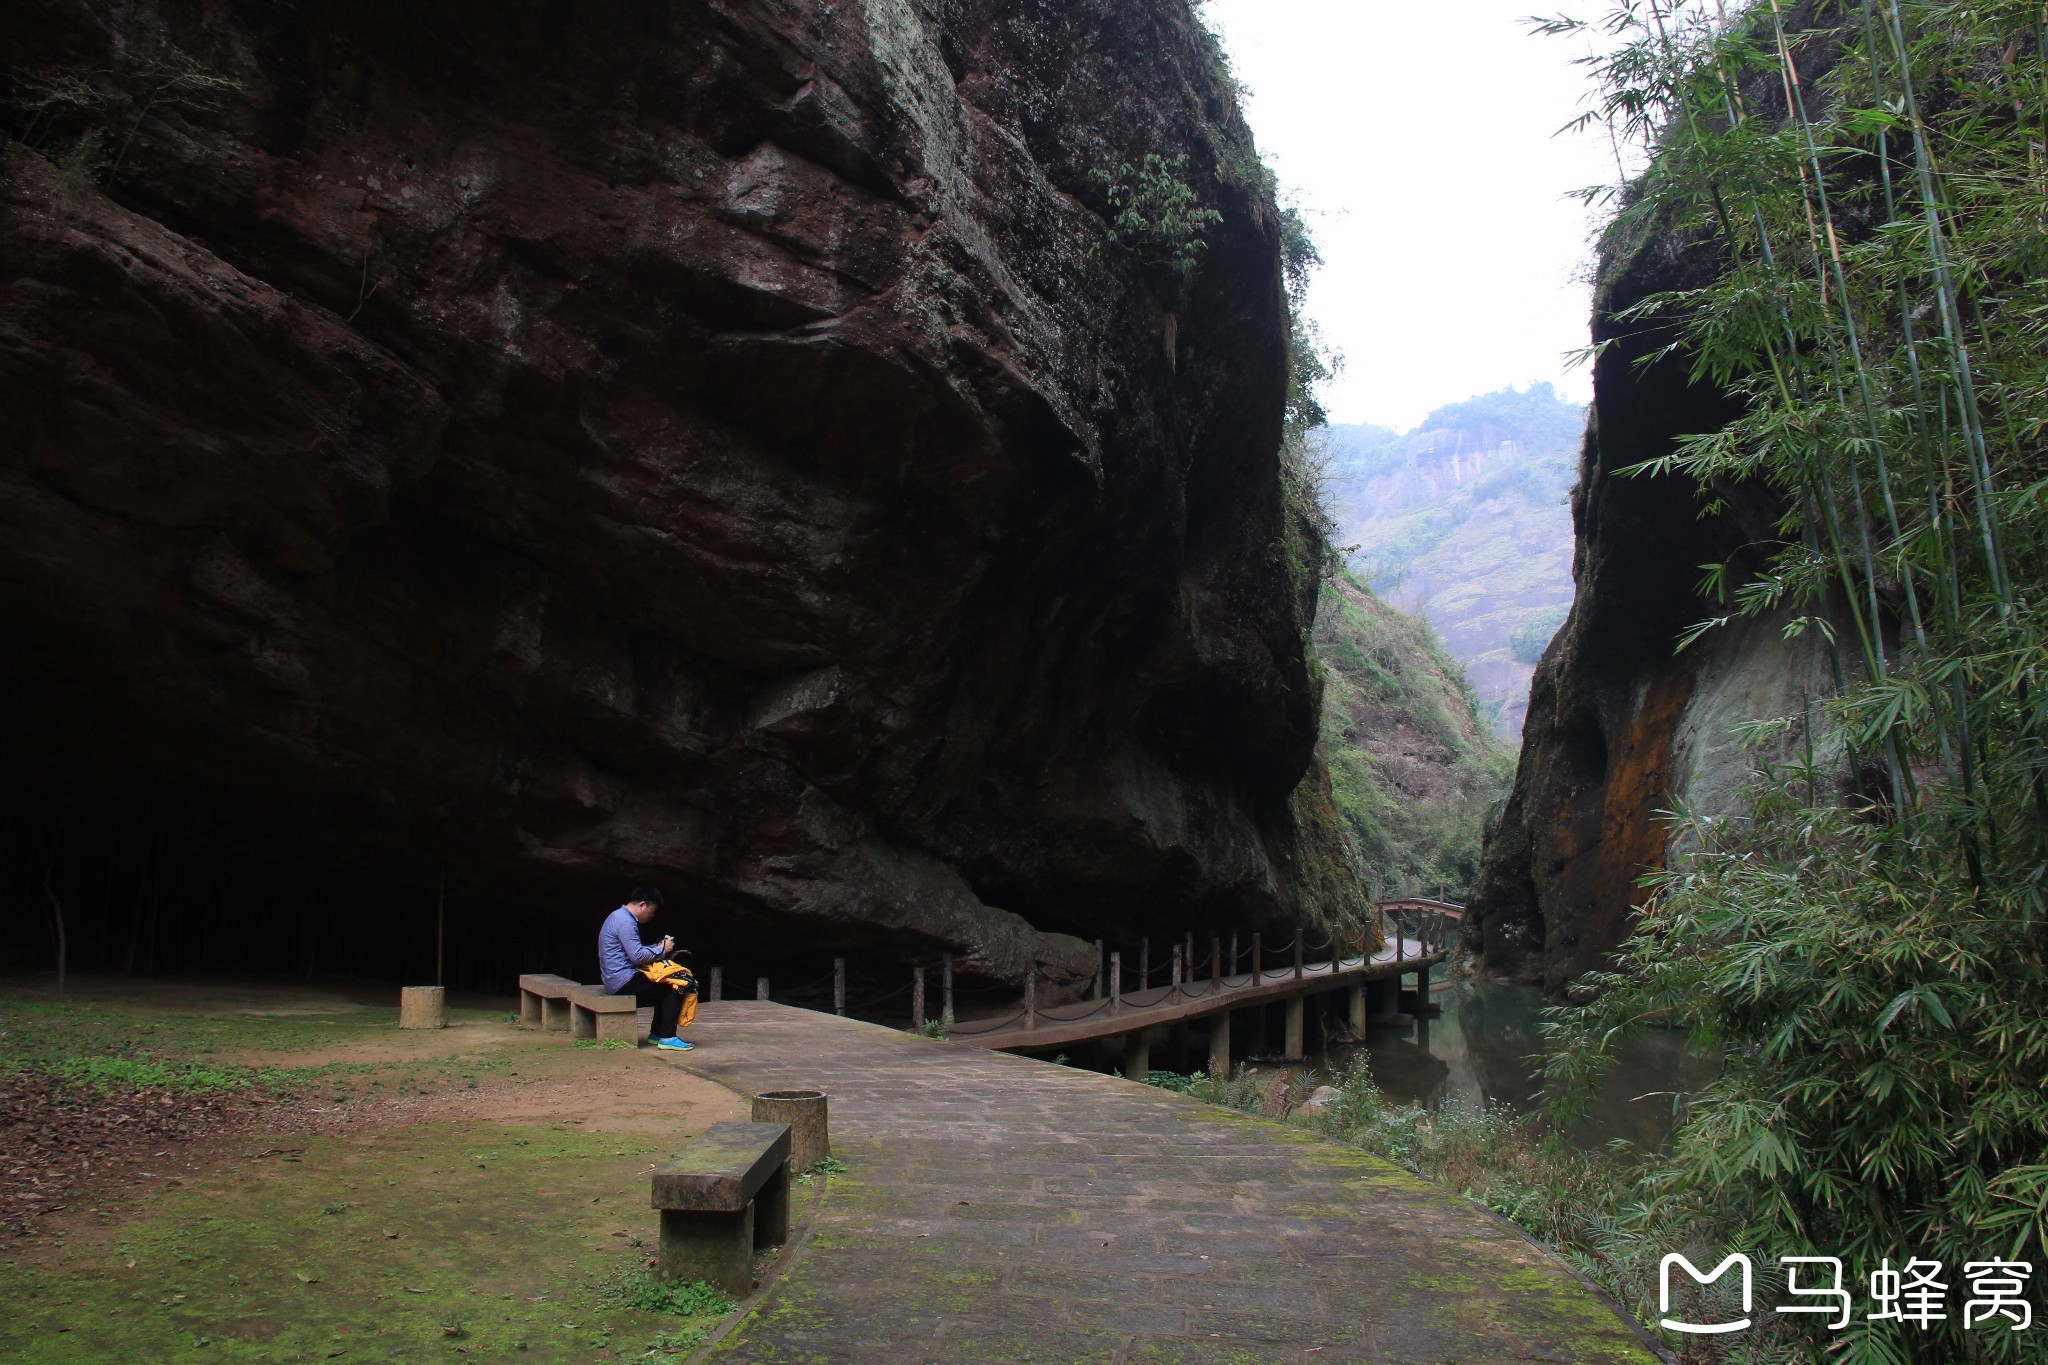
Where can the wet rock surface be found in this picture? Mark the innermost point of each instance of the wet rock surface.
(712, 444)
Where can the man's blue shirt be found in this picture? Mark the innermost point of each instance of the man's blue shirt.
(620, 951)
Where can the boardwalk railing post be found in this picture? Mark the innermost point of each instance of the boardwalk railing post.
(718, 983)
(1232, 969)
(1116, 983)
(1098, 969)
(1187, 959)
(1216, 966)
(917, 998)
(839, 985)
(760, 988)
(1031, 997)
(1177, 966)
(946, 989)
(1144, 963)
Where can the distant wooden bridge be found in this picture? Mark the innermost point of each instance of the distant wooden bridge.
(1211, 989)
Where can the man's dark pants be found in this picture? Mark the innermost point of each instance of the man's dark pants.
(667, 1002)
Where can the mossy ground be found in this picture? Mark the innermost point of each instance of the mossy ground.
(447, 1238)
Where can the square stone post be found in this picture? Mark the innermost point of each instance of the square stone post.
(1138, 1054)
(714, 1247)
(1219, 1045)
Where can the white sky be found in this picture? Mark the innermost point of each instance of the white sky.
(1417, 139)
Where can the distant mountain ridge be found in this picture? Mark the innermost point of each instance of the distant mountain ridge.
(1466, 520)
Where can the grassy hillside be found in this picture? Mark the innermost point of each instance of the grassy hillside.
(1465, 520)
(1415, 767)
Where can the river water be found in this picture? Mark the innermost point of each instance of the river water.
(1486, 1046)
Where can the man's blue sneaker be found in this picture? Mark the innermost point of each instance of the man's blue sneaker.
(673, 1044)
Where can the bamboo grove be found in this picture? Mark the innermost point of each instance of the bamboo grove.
(1862, 940)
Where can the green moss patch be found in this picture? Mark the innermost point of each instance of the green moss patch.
(439, 1242)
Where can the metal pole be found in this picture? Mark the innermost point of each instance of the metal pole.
(839, 985)
(760, 988)
(1116, 983)
(441, 927)
(917, 997)
(946, 989)
(718, 983)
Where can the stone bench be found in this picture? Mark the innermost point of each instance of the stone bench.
(721, 1197)
(595, 1013)
(544, 1001)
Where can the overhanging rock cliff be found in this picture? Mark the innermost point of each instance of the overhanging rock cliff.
(1622, 724)
(716, 443)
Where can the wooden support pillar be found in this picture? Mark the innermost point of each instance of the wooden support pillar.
(1219, 1045)
(1422, 1005)
(1292, 1048)
(1357, 1008)
(839, 985)
(1137, 1054)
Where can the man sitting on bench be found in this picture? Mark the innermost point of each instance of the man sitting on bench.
(621, 954)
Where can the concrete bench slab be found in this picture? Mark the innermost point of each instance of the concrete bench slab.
(544, 1001)
(720, 1197)
(596, 1013)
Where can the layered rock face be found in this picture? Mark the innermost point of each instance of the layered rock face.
(718, 444)
(1622, 725)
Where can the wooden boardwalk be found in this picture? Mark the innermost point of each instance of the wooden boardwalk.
(1360, 987)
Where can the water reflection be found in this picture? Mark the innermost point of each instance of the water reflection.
(1483, 1047)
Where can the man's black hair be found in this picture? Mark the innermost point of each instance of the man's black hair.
(650, 894)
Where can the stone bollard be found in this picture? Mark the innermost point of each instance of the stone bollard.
(422, 1007)
(804, 1112)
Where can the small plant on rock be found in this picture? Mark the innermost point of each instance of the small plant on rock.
(1155, 214)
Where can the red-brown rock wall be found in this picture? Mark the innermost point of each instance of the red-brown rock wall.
(709, 442)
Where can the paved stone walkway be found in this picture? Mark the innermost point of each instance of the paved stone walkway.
(997, 1208)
